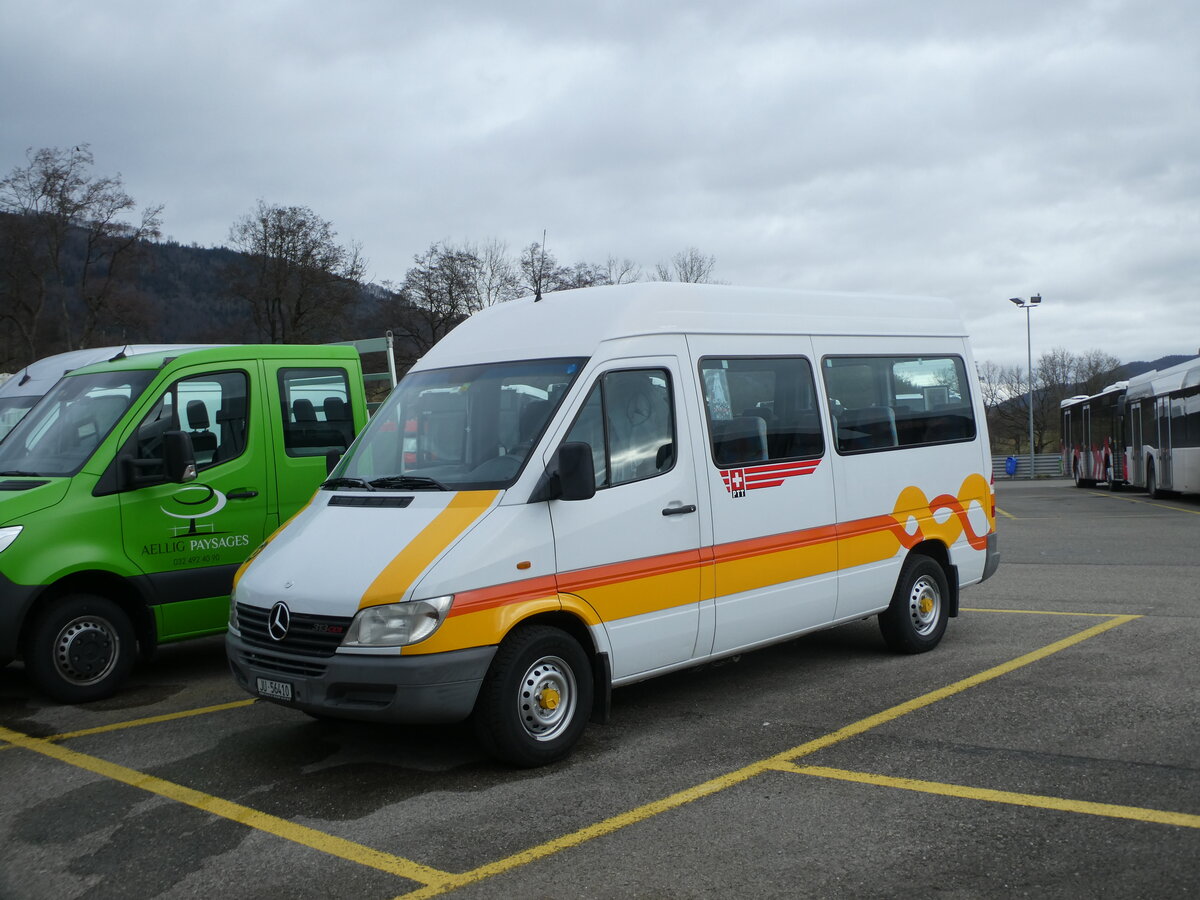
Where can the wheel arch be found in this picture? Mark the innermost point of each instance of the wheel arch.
(574, 625)
(100, 582)
(940, 554)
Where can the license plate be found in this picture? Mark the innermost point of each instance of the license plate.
(278, 690)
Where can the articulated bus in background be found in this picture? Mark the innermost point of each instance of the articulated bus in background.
(1163, 429)
(1093, 430)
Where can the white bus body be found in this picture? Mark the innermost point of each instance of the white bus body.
(1163, 432)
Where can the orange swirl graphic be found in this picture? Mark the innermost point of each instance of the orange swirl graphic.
(917, 516)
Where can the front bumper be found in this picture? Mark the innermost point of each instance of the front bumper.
(431, 688)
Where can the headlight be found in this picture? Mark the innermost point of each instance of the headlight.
(397, 624)
(233, 619)
(8, 535)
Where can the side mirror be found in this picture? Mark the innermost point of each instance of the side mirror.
(332, 458)
(575, 472)
(179, 459)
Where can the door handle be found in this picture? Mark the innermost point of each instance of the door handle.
(679, 510)
(241, 495)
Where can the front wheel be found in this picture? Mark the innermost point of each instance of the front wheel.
(916, 619)
(80, 648)
(536, 698)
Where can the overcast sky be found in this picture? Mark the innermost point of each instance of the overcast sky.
(972, 150)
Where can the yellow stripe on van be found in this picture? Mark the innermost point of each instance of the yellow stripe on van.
(403, 571)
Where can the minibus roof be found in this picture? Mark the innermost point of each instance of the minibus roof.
(576, 322)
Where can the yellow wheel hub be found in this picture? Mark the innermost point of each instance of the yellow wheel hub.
(549, 698)
(926, 605)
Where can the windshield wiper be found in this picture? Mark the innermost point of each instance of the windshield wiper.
(409, 482)
(23, 474)
(344, 481)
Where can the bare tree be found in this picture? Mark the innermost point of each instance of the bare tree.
(497, 277)
(297, 278)
(688, 265)
(66, 245)
(439, 291)
(541, 273)
(624, 271)
(1058, 374)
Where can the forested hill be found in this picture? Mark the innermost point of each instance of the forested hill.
(1129, 370)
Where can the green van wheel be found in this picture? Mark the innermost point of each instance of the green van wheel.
(80, 648)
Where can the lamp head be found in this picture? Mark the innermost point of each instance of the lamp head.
(1035, 299)
(1016, 300)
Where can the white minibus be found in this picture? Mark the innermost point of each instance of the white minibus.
(577, 492)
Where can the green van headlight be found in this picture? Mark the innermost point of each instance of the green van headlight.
(8, 535)
(397, 624)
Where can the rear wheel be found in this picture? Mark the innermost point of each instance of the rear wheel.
(80, 648)
(1152, 483)
(916, 619)
(536, 698)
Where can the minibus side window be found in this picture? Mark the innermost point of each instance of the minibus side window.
(761, 409)
(628, 420)
(892, 402)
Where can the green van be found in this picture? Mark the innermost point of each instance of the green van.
(133, 491)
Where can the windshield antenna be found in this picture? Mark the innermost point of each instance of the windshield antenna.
(537, 293)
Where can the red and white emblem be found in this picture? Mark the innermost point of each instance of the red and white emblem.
(751, 478)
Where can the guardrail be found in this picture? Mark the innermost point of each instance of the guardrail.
(1045, 465)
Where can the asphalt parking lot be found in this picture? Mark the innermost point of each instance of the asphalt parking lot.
(1049, 747)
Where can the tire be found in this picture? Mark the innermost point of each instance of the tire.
(536, 698)
(1152, 484)
(916, 619)
(80, 648)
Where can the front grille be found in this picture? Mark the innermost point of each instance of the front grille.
(283, 666)
(307, 635)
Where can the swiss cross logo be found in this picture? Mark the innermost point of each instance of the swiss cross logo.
(738, 481)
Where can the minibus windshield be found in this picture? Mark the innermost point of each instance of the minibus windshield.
(463, 428)
(58, 435)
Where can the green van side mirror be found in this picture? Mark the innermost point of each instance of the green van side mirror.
(179, 458)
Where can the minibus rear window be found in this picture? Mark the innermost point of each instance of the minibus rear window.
(893, 402)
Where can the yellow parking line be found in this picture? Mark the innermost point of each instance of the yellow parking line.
(1086, 807)
(148, 720)
(778, 761)
(1193, 512)
(1006, 515)
(152, 720)
(1035, 612)
(252, 818)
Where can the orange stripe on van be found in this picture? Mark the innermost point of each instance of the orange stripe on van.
(646, 585)
(503, 594)
(628, 570)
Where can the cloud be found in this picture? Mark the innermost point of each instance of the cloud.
(977, 151)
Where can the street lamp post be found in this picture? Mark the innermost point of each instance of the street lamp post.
(1035, 300)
